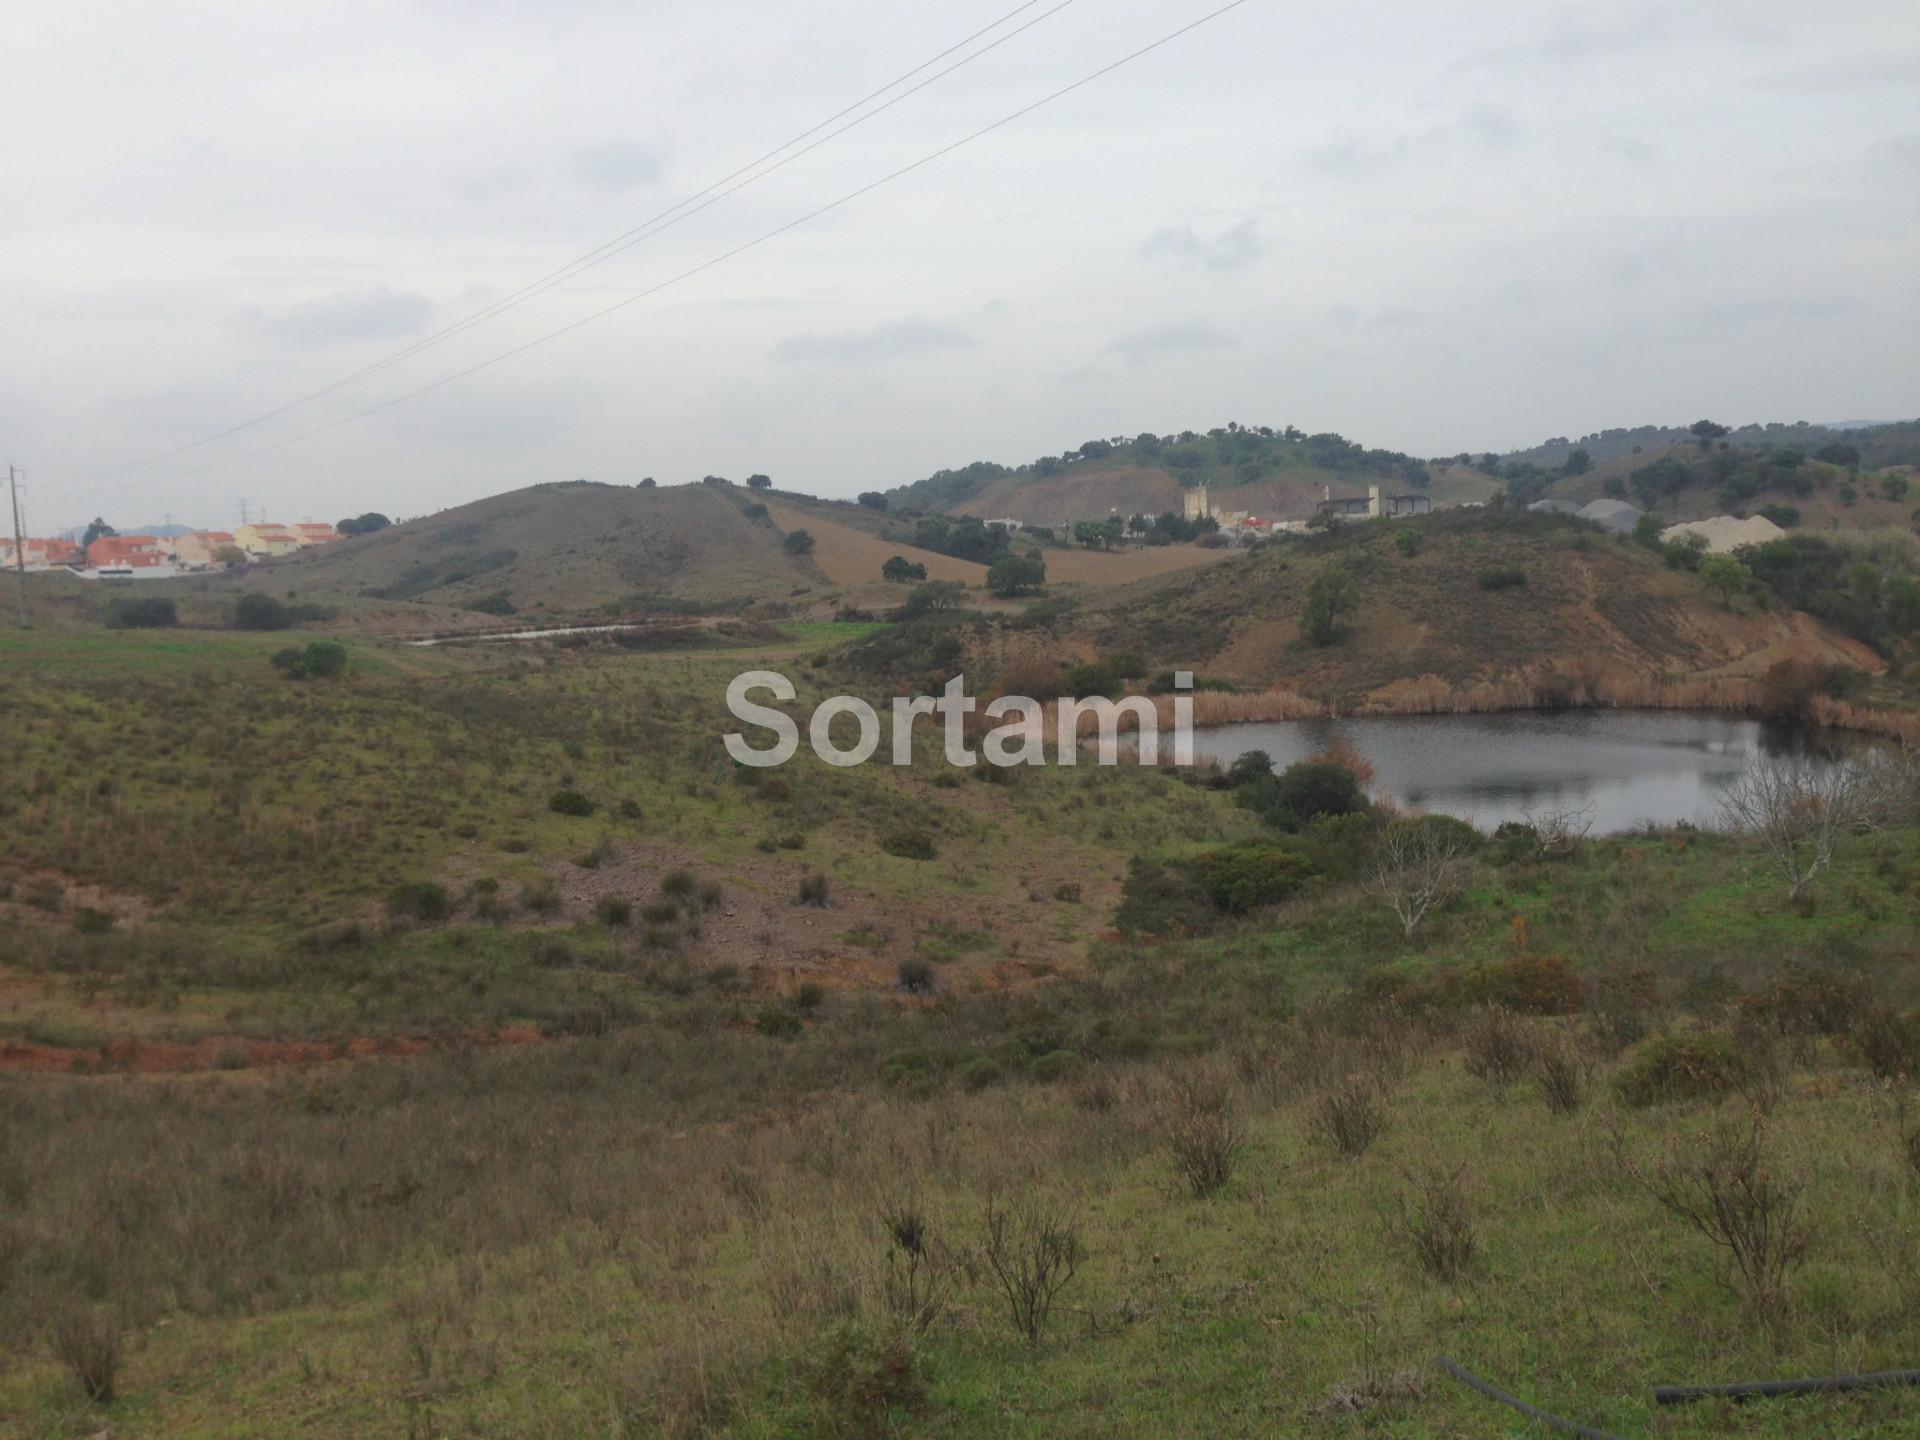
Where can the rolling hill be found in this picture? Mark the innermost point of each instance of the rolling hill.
(1587, 615)
(554, 548)
(1273, 473)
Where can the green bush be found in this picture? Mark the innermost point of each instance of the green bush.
(569, 802)
(979, 1074)
(1685, 1065)
(1302, 792)
(421, 900)
(255, 611)
(1057, 1065)
(916, 976)
(909, 845)
(777, 1022)
(146, 613)
(322, 660)
(614, 910)
(1239, 878)
(1157, 899)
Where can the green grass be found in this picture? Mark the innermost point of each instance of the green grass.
(660, 1219)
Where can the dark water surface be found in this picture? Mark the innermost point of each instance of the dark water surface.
(1631, 766)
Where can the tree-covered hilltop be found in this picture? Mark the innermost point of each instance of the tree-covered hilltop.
(1871, 447)
(1232, 454)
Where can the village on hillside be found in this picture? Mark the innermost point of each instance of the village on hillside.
(161, 557)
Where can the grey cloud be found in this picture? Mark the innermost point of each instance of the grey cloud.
(1234, 248)
(622, 164)
(374, 314)
(1483, 126)
(1769, 310)
(1898, 155)
(891, 341)
(1172, 338)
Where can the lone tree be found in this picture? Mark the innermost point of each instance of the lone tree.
(901, 570)
(1012, 575)
(1725, 575)
(98, 529)
(1331, 595)
(1420, 865)
(363, 524)
(798, 542)
(1706, 431)
(1578, 462)
(760, 482)
(873, 500)
(1798, 813)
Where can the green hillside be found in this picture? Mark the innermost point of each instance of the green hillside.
(1278, 468)
(556, 548)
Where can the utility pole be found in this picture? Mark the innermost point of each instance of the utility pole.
(19, 543)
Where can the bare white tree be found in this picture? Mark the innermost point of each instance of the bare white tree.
(1890, 786)
(1798, 813)
(1420, 865)
(1559, 832)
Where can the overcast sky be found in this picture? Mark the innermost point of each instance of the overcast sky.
(1430, 227)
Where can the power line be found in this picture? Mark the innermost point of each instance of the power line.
(724, 256)
(647, 229)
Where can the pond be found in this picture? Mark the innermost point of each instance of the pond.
(1632, 767)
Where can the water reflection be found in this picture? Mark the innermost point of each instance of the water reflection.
(1632, 766)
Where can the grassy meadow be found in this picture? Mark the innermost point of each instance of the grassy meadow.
(467, 1047)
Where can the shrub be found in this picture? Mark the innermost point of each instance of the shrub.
(89, 1346)
(1407, 541)
(710, 895)
(1159, 900)
(256, 611)
(1301, 792)
(1526, 984)
(322, 660)
(980, 1072)
(1436, 1217)
(1686, 1065)
(777, 1023)
(1203, 1135)
(916, 977)
(1058, 1065)
(614, 910)
(419, 900)
(1507, 578)
(1239, 878)
(1067, 893)
(813, 891)
(541, 896)
(909, 845)
(89, 921)
(797, 542)
(569, 802)
(1805, 1001)
(1731, 1196)
(1349, 1116)
(144, 613)
(660, 912)
(809, 996)
(679, 884)
(1498, 1049)
(1032, 1254)
(1887, 1041)
(1561, 1075)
